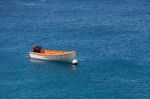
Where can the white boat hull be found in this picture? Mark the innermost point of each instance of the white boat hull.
(69, 57)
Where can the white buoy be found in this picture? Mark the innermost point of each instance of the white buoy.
(75, 62)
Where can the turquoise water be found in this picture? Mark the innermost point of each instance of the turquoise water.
(112, 40)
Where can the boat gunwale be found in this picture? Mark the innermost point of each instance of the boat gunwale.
(43, 54)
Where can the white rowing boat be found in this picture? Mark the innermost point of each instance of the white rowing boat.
(51, 55)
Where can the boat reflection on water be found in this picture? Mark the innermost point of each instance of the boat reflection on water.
(64, 64)
(37, 61)
(74, 67)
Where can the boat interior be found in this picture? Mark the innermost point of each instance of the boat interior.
(53, 52)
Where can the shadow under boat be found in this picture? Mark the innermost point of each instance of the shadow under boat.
(62, 63)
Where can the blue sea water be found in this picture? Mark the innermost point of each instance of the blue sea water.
(111, 37)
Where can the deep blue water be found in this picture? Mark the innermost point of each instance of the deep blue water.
(111, 37)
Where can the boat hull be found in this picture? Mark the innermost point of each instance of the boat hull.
(69, 57)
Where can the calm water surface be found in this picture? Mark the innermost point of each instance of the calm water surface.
(112, 38)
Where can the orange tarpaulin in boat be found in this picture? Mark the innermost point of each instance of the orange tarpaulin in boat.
(52, 52)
